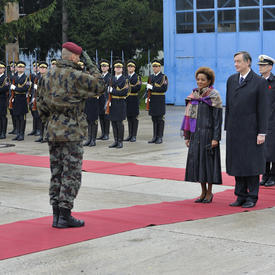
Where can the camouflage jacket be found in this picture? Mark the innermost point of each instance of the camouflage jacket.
(61, 96)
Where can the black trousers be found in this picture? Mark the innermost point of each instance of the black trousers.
(270, 170)
(247, 188)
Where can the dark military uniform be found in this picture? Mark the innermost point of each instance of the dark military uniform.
(118, 108)
(104, 118)
(133, 104)
(4, 92)
(20, 106)
(61, 100)
(157, 105)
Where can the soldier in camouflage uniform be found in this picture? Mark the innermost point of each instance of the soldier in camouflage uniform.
(60, 102)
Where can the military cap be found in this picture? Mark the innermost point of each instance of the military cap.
(21, 64)
(131, 62)
(35, 63)
(53, 61)
(43, 64)
(12, 64)
(2, 64)
(104, 62)
(156, 62)
(72, 47)
(118, 63)
(265, 60)
(80, 63)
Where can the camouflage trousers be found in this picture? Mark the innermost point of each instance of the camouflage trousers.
(66, 165)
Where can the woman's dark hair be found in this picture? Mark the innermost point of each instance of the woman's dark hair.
(208, 72)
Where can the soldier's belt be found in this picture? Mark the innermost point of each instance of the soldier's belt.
(20, 93)
(118, 97)
(157, 93)
(133, 94)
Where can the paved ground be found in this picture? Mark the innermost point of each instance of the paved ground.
(235, 244)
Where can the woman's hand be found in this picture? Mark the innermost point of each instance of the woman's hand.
(187, 142)
(214, 143)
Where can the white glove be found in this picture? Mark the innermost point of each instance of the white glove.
(146, 99)
(35, 86)
(32, 100)
(181, 133)
(149, 87)
(13, 87)
(110, 89)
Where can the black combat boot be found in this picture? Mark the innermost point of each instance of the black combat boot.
(160, 130)
(130, 129)
(120, 135)
(13, 132)
(135, 128)
(115, 132)
(1, 128)
(33, 127)
(38, 128)
(17, 129)
(89, 135)
(106, 129)
(102, 127)
(56, 213)
(93, 134)
(66, 220)
(21, 130)
(153, 140)
(4, 128)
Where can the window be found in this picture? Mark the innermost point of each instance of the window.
(268, 2)
(185, 22)
(246, 3)
(226, 3)
(205, 4)
(184, 5)
(249, 20)
(269, 19)
(205, 21)
(227, 21)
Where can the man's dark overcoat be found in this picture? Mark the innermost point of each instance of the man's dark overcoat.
(245, 118)
(270, 138)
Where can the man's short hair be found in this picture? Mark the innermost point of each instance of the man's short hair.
(246, 56)
(66, 54)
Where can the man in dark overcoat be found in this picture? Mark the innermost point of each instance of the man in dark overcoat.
(246, 127)
(104, 118)
(157, 85)
(133, 101)
(265, 67)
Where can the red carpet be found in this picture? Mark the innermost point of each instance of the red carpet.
(29, 236)
(104, 167)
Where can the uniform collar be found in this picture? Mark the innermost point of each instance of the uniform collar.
(1, 74)
(130, 75)
(118, 76)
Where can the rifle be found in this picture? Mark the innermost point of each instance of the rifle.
(34, 105)
(148, 94)
(107, 111)
(30, 80)
(13, 82)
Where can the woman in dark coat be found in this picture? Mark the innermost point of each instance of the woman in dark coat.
(201, 129)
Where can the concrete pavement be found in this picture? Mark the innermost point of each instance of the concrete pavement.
(235, 244)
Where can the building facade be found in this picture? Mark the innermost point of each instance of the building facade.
(208, 33)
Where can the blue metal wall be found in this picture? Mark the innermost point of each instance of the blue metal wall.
(185, 53)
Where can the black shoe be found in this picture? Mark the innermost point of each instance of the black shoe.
(66, 220)
(119, 145)
(158, 141)
(87, 142)
(92, 143)
(113, 145)
(20, 138)
(31, 133)
(37, 133)
(56, 213)
(270, 182)
(15, 138)
(2, 136)
(153, 140)
(13, 132)
(200, 199)
(128, 138)
(264, 180)
(101, 137)
(209, 200)
(39, 139)
(237, 203)
(105, 137)
(133, 139)
(248, 204)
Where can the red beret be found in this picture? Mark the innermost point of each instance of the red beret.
(72, 47)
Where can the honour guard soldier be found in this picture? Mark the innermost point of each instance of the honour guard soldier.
(156, 88)
(4, 93)
(116, 105)
(265, 67)
(20, 108)
(12, 74)
(53, 63)
(34, 80)
(43, 68)
(91, 111)
(133, 101)
(104, 118)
